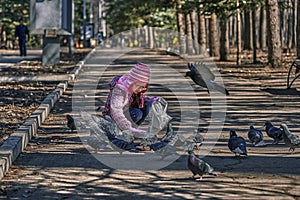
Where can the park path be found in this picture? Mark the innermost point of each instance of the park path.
(57, 165)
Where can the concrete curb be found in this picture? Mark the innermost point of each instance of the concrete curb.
(18, 140)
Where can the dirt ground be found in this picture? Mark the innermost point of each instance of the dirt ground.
(57, 165)
(19, 99)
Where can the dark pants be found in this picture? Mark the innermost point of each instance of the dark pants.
(22, 45)
(138, 115)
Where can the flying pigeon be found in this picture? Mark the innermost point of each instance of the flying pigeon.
(71, 123)
(290, 139)
(273, 132)
(202, 76)
(198, 166)
(255, 136)
(96, 142)
(237, 144)
(166, 151)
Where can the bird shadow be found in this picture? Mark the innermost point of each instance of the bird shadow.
(282, 91)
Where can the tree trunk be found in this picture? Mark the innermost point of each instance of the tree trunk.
(294, 18)
(254, 38)
(289, 30)
(201, 32)
(298, 30)
(238, 34)
(180, 28)
(224, 43)
(194, 32)
(274, 48)
(262, 29)
(190, 49)
(214, 36)
(232, 31)
(247, 33)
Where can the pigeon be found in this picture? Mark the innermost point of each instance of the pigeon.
(71, 123)
(198, 166)
(158, 145)
(237, 144)
(255, 136)
(195, 141)
(202, 76)
(97, 124)
(96, 142)
(290, 139)
(166, 151)
(169, 134)
(273, 132)
(148, 140)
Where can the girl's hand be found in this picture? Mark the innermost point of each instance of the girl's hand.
(154, 99)
(135, 130)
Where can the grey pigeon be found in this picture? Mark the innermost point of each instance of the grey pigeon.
(166, 151)
(255, 136)
(273, 132)
(198, 166)
(202, 76)
(237, 144)
(195, 140)
(290, 139)
(148, 140)
(169, 134)
(71, 123)
(96, 142)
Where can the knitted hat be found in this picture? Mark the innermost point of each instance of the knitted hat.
(140, 72)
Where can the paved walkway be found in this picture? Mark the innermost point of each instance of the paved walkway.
(58, 165)
(9, 57)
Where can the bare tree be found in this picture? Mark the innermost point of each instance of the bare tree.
(274, 47)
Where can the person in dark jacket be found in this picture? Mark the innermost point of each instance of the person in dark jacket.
(20, 34)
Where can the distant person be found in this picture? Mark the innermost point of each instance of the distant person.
(20, 34)
(3, 36)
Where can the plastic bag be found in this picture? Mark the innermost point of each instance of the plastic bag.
(158, 116)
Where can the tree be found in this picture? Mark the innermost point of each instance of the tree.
(214, 47)
(180, 26)
(274, 47)
(298, 30)
(201, 30)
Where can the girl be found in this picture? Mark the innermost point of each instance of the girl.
(126, 104)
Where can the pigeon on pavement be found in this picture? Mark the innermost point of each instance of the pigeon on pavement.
(169, 134)
(198, 166)
(273, 132)
(195, 141)
(71, 123)
(255, 136)
(202, 76)
(237, 144)
(290, 139)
